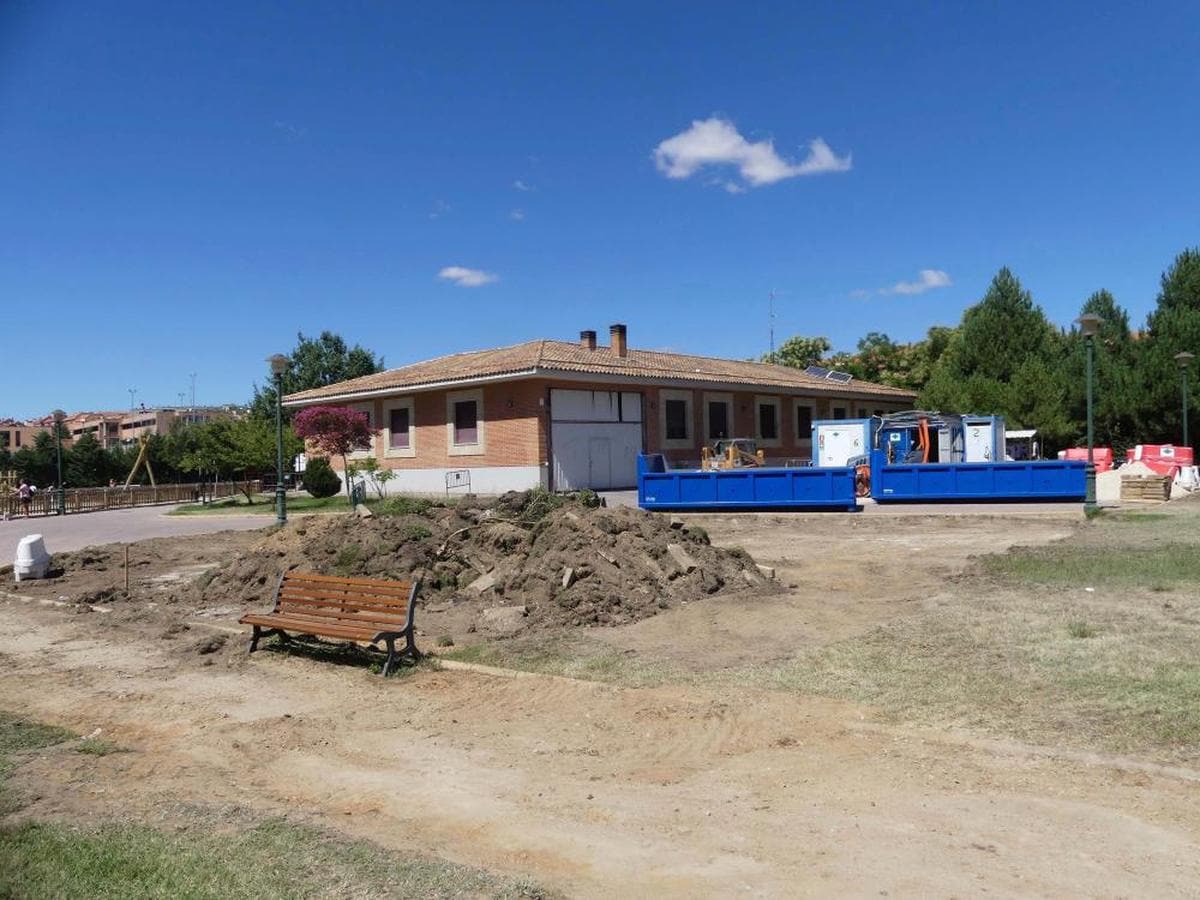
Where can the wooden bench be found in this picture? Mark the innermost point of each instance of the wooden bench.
(363, 610)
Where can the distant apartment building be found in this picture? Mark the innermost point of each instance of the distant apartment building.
(15, 434)
(111, 429)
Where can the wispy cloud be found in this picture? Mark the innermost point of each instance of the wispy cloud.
(717, 142)
(440, 208)
(293, 132)
(520, 185)
(927, 280)
(517, 215)
(464, 277)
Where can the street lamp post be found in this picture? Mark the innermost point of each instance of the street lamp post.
(1185, 362)
(279, 364)
(1089, 325)
(59, 415)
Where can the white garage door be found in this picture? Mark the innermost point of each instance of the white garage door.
(595, 438)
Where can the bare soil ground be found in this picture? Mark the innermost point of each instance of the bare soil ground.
(687, 775)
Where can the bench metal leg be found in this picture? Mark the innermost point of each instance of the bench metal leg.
(391, 656)
(260, 632)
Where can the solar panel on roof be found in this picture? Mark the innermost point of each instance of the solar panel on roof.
(840, 377)
(817, 372)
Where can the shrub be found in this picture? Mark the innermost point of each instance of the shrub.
(403, 506)
(319, 478)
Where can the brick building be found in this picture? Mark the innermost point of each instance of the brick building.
(569, 415)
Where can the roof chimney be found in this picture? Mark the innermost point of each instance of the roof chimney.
(616, 335)
(587, 340)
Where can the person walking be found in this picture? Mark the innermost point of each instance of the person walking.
(25, 495)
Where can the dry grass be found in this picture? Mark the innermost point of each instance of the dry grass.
(1022, 647)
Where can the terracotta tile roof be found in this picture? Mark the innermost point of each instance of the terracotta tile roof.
(547, 358)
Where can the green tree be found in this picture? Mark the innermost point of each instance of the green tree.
(239, 448)
(87, 464)
(799, 352)
(316, 362)
(1117, 398)
(1005, 358)
(1172, 327)
(36, 462)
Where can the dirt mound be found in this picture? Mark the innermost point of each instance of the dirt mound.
(539, 559)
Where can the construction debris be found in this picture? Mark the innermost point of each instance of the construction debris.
(562, 561)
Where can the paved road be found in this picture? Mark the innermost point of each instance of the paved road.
(72, 532)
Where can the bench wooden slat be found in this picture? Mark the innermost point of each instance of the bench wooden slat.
(349, 599)
(339, 580)
(306, 626)
(357, 609)
(355, 591)
(391, 609)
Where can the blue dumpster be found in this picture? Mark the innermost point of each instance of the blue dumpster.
(749, 488)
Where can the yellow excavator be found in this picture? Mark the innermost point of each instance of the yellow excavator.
(732, 453)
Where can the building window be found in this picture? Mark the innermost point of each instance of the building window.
(804, 420)
(839, 412)
(675, 419)
(718, 416)
(363, 452)
(399, 437)
(465, 424)
(767, 421)
(718, 421)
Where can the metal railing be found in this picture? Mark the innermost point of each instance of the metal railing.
(80, 500)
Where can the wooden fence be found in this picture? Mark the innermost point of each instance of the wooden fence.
(79, 500)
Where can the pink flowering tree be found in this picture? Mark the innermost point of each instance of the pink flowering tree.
(335, 430)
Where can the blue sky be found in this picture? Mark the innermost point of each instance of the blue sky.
(185, 186)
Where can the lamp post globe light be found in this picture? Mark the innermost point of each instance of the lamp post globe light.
(1089, 325)
(59, 415)
(279, 365)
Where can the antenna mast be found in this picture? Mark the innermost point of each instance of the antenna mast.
(771, 323)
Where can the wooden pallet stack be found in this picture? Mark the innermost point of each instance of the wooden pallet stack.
(1146, 487)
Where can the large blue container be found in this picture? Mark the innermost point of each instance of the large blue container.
(1011, 481)
(749, 488)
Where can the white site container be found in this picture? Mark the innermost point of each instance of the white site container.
(32, 559)
(985, 439)
(837, 441)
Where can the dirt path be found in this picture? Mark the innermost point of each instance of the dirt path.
(603, 791)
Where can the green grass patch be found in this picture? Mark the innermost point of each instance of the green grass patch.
(1081, 630)
(273, 859)
(265, 506)
(401, 506)
(19, 735)
(98, 747)
(1097, 565)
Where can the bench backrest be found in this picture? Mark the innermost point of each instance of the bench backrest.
(349, 600)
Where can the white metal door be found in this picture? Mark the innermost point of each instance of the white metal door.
(595, 438)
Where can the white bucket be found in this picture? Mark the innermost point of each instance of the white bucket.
(32, 559)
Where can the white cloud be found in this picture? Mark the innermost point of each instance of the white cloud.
(927, 280)
(717, 142)
(464, 277)
(520, 185)
(517, 215)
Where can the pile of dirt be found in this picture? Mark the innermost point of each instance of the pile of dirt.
(528, 560)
